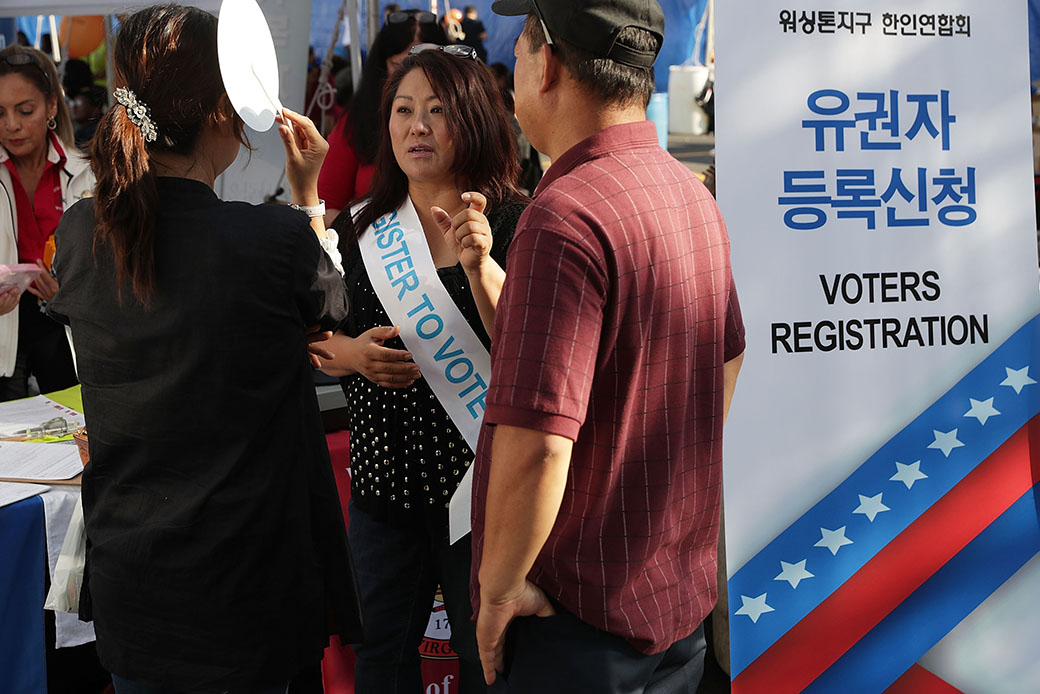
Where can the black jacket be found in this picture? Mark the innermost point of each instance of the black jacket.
(216, 546)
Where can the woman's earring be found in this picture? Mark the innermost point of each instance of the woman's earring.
(52, 124)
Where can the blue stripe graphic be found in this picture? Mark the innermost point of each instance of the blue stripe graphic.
(749, 639)
(939, 605)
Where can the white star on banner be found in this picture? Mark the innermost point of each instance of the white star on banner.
(908, 474)
(981, 410)
(1017, 378)
(945, 442)
(793, 573)
(870, 506)
(754, 607)
(833, 539)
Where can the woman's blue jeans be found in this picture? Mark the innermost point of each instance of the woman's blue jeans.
(398, 570)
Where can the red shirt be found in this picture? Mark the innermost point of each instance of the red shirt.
(616, 317)
(38, 219)
(343, 177)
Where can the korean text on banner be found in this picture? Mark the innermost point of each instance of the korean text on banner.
(875, 177)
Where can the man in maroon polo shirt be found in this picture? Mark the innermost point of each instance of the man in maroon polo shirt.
(616, 347)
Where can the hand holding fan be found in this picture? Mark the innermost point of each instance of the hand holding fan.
(248, 63)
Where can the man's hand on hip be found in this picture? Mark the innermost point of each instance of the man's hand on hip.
(496, 613)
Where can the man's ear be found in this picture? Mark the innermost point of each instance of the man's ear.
(551, 67)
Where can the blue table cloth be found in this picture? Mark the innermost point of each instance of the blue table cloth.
(23, 559)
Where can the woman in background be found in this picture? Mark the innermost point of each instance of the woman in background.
(447, 162)
(348, 169)
(41, 175)
(216, 553)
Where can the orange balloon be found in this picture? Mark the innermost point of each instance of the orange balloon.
(80, 34)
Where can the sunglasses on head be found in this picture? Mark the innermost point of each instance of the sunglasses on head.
(20, 60)
(420, 16)
(456, 49)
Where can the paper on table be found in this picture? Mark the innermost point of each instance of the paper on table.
(12, 492)
(39, 461)
(18, 415)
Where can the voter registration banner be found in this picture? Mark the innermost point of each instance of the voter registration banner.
(883, 449)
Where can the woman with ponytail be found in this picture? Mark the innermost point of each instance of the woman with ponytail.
(41, 175)
(216, 552)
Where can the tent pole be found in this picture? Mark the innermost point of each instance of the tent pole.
(55, 48)
(39, 31)
(373, 21)
(709, 59)
(110, 65)
(355, 43)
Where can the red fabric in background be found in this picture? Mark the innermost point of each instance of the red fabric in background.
(442, 673)
(339, 453)
(337, 669)
(343, 176)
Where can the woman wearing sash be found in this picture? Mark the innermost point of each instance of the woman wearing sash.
(423, 279)
(216, 556)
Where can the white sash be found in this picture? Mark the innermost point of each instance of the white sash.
(450, 355)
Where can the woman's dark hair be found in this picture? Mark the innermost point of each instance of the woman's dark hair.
(166, 55)
(362, 122)
(485, 147)
(40, 71)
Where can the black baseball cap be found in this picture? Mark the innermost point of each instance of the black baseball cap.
(593, 25)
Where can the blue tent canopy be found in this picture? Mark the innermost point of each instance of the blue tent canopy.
(681, 18)
(1034, 41)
